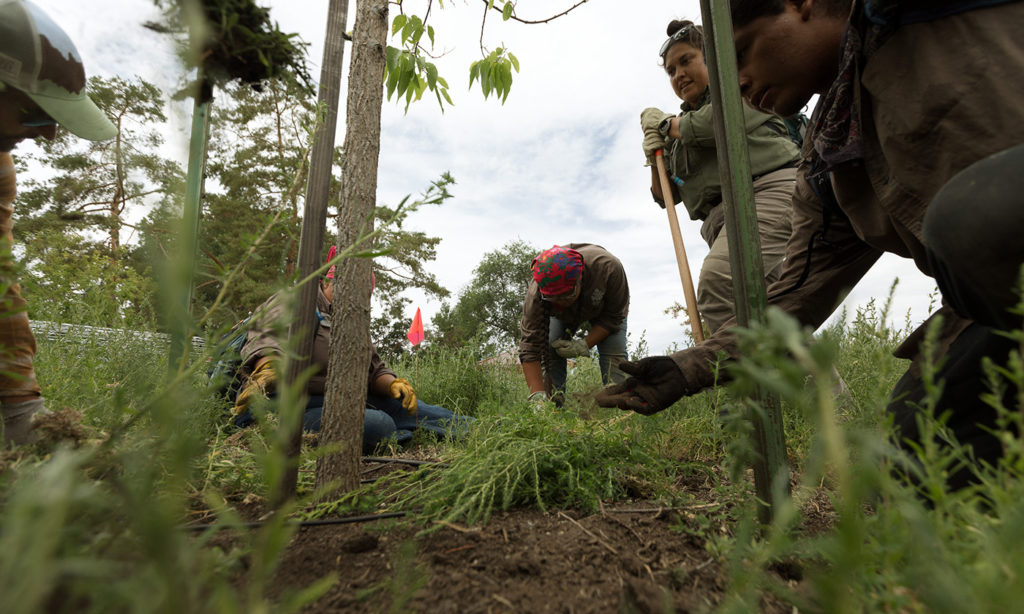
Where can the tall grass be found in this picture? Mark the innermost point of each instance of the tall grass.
(97, 527)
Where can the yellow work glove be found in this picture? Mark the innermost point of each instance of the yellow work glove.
(401, 388)
(260, 382)
(654, 139)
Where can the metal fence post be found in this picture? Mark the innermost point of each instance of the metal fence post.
(744, 240)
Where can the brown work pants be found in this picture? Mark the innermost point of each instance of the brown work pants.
(773, 195)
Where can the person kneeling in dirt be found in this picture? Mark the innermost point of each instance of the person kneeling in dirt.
(572, 285)
(392, 409)
(914, 148)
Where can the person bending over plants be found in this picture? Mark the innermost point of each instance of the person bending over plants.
(914, 148)
(572, 285)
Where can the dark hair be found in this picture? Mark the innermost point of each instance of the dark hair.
(693, 36)
(745, 11)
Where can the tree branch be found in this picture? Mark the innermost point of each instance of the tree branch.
(549, 19)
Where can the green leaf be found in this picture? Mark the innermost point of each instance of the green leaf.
(391, 54)
(430, 35)
(403, 80)
(397, 24)
(506, 12)
(515, 61)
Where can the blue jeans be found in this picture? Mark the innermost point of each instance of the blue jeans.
(610, 353)
(385, 417)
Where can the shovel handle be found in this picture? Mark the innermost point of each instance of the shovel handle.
(677, 242)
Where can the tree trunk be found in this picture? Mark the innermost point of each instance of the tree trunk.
(311, 238)
(345, 398)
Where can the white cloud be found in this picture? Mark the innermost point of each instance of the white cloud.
(560, 161)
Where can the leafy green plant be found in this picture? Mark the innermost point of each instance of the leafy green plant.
(495, 72)
(407, 73)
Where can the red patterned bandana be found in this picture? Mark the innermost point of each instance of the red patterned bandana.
(556, 270)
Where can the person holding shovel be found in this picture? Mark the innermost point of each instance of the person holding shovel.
(572, 285)
(914, 148)
(392, 409)
(688, 142)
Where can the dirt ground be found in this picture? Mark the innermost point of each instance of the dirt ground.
(633, 557)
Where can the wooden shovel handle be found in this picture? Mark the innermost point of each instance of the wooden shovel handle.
(677, 242)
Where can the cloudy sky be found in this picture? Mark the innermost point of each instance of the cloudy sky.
(559, 162)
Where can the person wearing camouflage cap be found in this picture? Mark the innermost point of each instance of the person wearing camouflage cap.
(572, 285)
(42, 85)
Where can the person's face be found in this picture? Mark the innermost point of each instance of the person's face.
(686, 71)
(785, 59)
(21, 119)
(564, 300)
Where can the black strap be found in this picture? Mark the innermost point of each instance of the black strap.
(821, 184)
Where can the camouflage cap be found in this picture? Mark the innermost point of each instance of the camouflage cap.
(38, 58)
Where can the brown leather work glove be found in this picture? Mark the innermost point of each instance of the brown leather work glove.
(401, 388)
(656, 384)
(261, 381)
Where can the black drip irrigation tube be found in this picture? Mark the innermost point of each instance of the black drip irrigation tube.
(403, 461)
(301, 523)
(331, 521)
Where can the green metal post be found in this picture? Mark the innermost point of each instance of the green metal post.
(185, 266)
(744, 240)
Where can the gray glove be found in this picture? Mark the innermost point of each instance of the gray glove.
(570, 348)
(656, 384)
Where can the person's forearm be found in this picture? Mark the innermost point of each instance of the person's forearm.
(534, 377)
(382, 385)
(673, 128)
(596, 335)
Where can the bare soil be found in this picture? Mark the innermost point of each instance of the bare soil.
(634, 557)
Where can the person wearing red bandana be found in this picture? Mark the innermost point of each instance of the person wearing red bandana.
(573, 285)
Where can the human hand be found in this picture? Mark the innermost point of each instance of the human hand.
(653, 141)
(538, 400)
(570, 348)
(651, 120)
(401, 388)
(655, 384)
(260, 382)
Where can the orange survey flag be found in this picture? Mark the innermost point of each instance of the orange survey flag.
(415, 333)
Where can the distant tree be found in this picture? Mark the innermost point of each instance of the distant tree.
(402, 267)
(490, 307)
(77, 221)
(257, 167)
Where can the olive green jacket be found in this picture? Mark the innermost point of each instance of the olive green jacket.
(694, 157)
